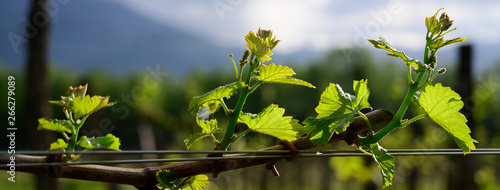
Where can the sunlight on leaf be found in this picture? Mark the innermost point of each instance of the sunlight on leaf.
(107, 142)
(382, 43)
(198, 182)
(208, 129)
(454, 40)
(87, 105)
(279, 74)
(60, 144)
(258, 47)
(336, 110)
(443, 106)
(385, 162)
(208, 126)
(54, 125)
(212, 99)
(267, 35)
(271, 121)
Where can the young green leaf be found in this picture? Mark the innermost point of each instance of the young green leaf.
(443, 106)
(279, 74)
(198, 182)
(209, 126)
(107, 142)
(440, 42)
(270, 121)
(65, 101)
(87, 105)
(360, 87)
(54, 125)
(267, 35)
(212, 99)
(258, 47)
(166, 179)
(382, 43)
(454, 40)
(208, 129)
(336, 110)
(60, 144)
(385, 162)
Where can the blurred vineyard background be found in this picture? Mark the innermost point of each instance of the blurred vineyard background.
(153, 115)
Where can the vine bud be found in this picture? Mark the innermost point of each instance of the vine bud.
(244, 58)
(445, 22)
(77, 92)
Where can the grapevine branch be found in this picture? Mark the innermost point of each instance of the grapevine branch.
(144, 178)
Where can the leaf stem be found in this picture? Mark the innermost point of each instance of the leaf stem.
(65, 135)
(410, 79)
(433, 76)
(396, 121)
(416, 118)
(242, 134)
(224, 106)
(233, 117)
(370, 132)
(253, 66)
(74, 135)
(180, 185)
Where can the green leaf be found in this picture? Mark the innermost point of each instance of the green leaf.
(385, 162)
(360, 87)
(87, 105)
(54, 125)
(440, 42)
(454, 40)
(258, 47)
(198, 182)
(382, 43)
(336, 110)
(107, 142)
(60, 144)
(208, 129)
(268, 36)
(443, 106)
(209, 126)
(279, 74)
(432, 23)
(212, 99)
(436, 44)
(270, 121)
(166, 178)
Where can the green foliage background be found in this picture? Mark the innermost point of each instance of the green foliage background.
(165, 107)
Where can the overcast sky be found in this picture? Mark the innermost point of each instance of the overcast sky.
(322, 24)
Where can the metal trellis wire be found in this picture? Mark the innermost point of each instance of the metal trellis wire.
(234, 155)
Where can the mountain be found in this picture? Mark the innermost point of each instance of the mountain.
(102, 35)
